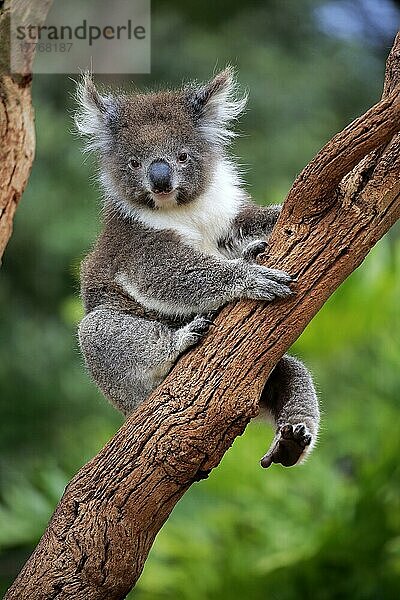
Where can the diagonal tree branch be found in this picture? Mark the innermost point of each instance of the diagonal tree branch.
(102, 530)
(323, 174)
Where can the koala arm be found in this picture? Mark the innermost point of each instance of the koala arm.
(254, 221)
(182, 281)
(252, 224)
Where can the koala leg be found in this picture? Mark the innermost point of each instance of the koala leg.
(128, 357)
(290, 401)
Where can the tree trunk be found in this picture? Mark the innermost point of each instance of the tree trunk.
(17, 131)
(102, 530)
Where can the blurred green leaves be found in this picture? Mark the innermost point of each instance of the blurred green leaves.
(27, 502)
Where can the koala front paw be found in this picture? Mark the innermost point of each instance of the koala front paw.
(192, 333)
(289, 446)
(267, 284)
(254, 249)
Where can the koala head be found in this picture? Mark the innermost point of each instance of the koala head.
(158, 150)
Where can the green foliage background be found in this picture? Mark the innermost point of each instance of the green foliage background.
(327, 530)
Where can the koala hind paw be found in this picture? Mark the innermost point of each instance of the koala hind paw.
(289, 445)
(192, 333)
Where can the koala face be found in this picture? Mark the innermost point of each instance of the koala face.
(158, 150)
(157, 157)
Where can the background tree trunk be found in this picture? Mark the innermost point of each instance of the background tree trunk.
(17, 131)
(102, 530)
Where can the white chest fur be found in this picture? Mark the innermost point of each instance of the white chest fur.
(207, 219)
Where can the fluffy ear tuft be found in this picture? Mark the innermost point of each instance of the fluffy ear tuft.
(94, 114)
(216, 104)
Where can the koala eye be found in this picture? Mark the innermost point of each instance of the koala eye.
(134, 163)
(182, 157)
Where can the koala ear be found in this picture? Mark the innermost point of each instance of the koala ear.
(216, 104)
(94, 115)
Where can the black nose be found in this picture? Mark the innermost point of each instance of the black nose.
(160, 176)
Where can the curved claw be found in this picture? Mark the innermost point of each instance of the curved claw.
(211, 323)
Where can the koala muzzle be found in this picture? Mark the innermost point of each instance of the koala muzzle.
(160, 177)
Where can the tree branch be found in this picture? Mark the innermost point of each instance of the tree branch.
(102, 530)
(17, 131)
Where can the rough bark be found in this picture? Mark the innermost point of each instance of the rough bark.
(17, 133)
(102, 530)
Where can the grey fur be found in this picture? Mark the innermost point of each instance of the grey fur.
(161, 264)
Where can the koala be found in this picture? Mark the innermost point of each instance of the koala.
(180, 240)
